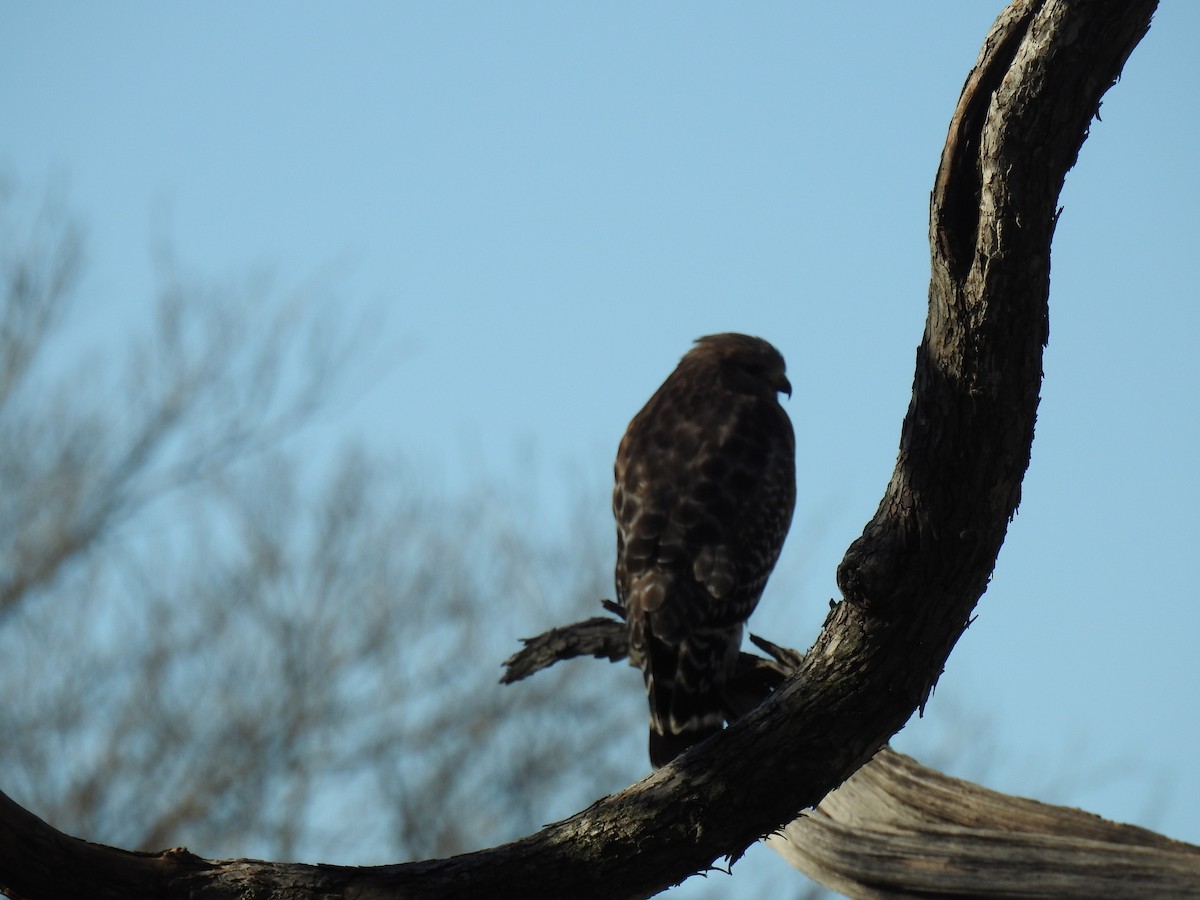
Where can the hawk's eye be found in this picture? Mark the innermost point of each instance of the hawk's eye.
(747, 373)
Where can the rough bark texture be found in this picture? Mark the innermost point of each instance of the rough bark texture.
(910, 582)
(898, 829)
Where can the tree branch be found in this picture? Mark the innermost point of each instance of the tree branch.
(898, 829)
(910, 582)
(754, 678)
(599, 637)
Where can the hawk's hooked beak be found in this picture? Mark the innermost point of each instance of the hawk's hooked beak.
(784, 386)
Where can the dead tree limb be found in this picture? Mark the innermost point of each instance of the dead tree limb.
(898, 829)
(600, 638)
(909, 583)
(604, 638)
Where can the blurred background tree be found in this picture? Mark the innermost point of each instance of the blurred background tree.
(212, 637)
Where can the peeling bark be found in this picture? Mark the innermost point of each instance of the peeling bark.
(898, 829)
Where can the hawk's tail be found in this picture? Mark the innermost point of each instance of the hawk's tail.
(670, 737)
(685, 705)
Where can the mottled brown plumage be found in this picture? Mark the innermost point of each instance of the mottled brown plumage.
(705, 486)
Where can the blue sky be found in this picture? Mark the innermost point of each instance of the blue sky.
(550, 201)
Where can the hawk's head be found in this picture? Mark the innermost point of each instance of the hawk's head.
(748, 365)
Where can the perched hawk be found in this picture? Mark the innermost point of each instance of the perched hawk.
(705, 486)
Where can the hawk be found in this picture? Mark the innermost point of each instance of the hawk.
(705, 487)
